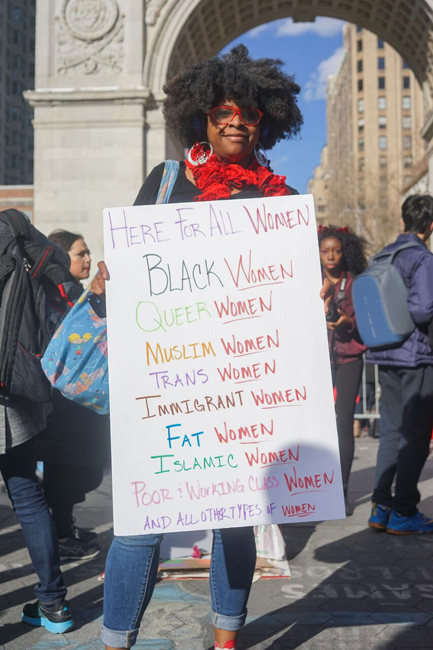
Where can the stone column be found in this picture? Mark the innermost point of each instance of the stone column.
(89, 106)
(159, 146)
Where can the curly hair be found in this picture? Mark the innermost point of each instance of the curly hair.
(354, 259)
(259, 83)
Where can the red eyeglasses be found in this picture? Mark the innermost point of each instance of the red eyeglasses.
(225, 114)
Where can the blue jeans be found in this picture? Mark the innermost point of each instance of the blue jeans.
(406, 421)
(130, 576)
(18, 469)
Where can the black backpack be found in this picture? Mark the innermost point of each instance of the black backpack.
(36, 292)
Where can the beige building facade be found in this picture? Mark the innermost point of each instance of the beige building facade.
(19, 197)
(318, 185)
(375, 112)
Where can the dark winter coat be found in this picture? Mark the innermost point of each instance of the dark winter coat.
(416, 268)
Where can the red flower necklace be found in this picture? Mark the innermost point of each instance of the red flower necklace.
(216, 179)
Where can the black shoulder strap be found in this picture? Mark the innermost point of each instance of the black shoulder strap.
(342, 289)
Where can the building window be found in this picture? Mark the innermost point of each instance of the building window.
(407, 102)
(361, 164)
(381, 103)
(407, 122)
(361, 123)
(358, 29)
(383, 142)
(383, 161)
(408, 162)
(321, 208)
(360, 105)
(380, 43)
(407, 142)
(405, 65)
(381, 63)
(382, 121)
(406, 83)
(383, 183)
(360, 65)
(359, 45)
(381, 83)
(360, 85)
(360, 144)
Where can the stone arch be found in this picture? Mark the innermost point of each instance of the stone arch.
(106, 122)
(191, 30)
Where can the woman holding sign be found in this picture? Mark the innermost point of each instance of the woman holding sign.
(226, 111)
(342, 257)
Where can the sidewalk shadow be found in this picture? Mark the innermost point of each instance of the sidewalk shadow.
(382, 582)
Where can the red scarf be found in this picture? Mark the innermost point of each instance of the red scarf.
(216, 179)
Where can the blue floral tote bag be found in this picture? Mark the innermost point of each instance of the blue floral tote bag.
(75, 361)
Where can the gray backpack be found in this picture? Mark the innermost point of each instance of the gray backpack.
(380, 301)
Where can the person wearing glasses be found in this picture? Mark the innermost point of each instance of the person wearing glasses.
(226, 111)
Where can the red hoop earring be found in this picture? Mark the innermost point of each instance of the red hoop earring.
(198, 154)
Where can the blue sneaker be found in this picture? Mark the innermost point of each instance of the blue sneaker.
(379, 517)
(400, 525)
(56, 620)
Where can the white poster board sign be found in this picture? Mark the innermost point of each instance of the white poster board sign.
(221, 400)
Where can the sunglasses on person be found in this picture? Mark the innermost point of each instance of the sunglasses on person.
(225, 114)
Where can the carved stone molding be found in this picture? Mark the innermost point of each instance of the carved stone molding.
(89, 38)
(153, 9)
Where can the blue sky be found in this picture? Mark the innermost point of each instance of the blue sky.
(311, 51)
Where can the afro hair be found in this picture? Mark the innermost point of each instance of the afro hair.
(259, 83)
(354, 259)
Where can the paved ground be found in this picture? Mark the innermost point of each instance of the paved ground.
(352, 588)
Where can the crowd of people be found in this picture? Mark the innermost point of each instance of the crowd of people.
(227, 112)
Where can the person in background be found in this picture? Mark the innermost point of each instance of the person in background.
(406, 379)
(77, 250)
(342, 258)
(21, 420)
(73, 446)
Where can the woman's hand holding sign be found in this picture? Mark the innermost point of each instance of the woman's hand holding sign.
(98, 283)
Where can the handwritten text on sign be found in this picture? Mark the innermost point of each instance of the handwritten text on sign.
(221, 400)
